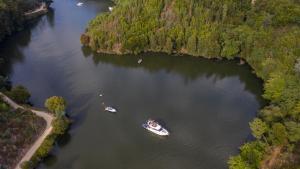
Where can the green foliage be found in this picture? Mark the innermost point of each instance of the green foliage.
(272, 114)
(27, 165)
(293, 130)
(278, 134)
(57, 105)
(250, 156)
(45, 148)
(237, 162)
(60, 126)
(253, 153)
(274, 87)
(258, 128)
(4, 107)
(19, 94)
(12, 15)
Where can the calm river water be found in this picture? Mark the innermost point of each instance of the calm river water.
(205, 104)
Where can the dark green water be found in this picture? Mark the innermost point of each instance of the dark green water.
(205, 104)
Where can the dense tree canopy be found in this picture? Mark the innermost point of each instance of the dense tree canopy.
(12, 15)
(265, 33)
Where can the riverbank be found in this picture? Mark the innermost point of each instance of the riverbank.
(16, 14)
(38, 11)
(224, 30)
(22, 127)
(55, 126)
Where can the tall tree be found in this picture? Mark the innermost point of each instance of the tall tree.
(57, 105)
(258, 128)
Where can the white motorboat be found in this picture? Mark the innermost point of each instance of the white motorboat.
(79, 4)
(156, 128)
(110, 109)
(140, 61)
(110, 8)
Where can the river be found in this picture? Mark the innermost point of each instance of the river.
(205, 104)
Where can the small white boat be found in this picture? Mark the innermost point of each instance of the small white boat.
(110, 8)
(110, 109)
(140, 61)
(156, 128)
(79, 4)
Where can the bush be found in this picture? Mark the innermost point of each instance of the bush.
(60, 126)
(57, 105)
(253, 153)
(19, 94)
(237, 162)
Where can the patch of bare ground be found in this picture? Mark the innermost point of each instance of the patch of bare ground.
(280, 158)
(272, 158)
(18, 130)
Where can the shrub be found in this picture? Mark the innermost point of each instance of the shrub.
(19, 94)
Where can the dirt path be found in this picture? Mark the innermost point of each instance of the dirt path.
(46, 116)
(270, 162)
(41, 8)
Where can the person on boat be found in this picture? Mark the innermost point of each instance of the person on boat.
(152, 123)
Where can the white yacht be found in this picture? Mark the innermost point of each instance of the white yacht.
(156, 128)
(110, 109)
(79, 4)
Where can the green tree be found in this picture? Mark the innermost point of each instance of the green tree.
(274, 87)
(253, 153)
(293, 130)
(19, 94)
(237, 162)
(272, 113)
(60, 125)
(57, 105)
(258, 128)
(278, 134)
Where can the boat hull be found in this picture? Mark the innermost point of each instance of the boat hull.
(162, 132)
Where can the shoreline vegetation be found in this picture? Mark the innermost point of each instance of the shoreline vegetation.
(265, 34)
(14, 14)
(41, 134)
(60, 124)
(19, 129)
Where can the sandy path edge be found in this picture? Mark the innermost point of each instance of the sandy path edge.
(46, 116)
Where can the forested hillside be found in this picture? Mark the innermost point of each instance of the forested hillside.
(12, 15)
(265, 33)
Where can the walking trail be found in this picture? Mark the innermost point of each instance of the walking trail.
(46, 116)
